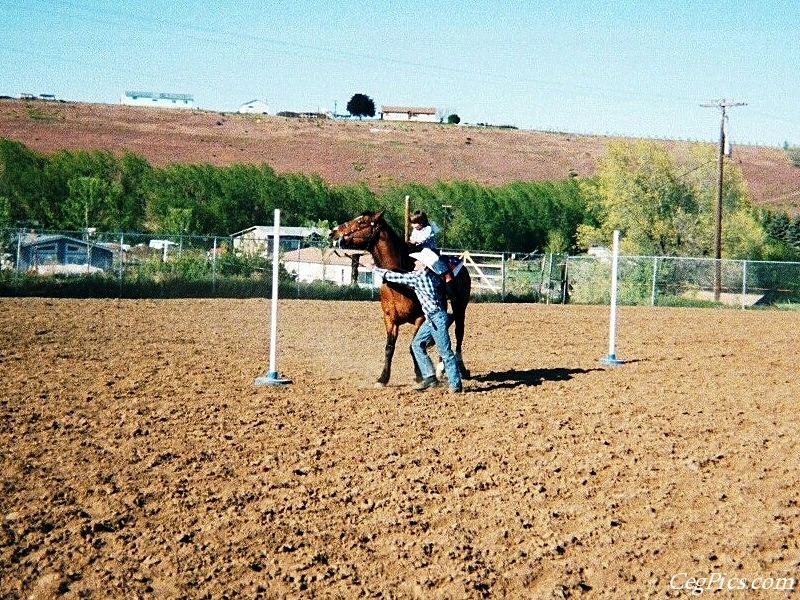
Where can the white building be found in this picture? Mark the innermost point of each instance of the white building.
(157, 100)
(257, 240)
(255, 107)
(409, 113)
(327, 264)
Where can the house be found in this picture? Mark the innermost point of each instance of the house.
(157, 100)
(327, 264)
(408, 113)
(61, 254)
(254, 107)
(257, 240)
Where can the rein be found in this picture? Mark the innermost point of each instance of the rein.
(374, 231)
(364, 233)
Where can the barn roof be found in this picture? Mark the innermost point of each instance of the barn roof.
(416, 110)
(285, 231)
(328, 256)
(35, 239)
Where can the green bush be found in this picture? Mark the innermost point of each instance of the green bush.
(793, 153)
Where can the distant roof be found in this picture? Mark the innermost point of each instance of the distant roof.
(160, 95)
(417, 110)
(34, 239)
(328, 256)
(268, 230)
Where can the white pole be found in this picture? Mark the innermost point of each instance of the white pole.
(273, 320)
(611, 358)
(272, 377)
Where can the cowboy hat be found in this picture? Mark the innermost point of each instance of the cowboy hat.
(426, 256)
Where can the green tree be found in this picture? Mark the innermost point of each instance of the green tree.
(91, 203)
(776, 225)
(64, 190)
(637, 192)
(193, 188)
(361, 105)
(131, 208)
(347, 201)
(793, 233)
(247, 197)
(21, 181)
(5, 212)
(177, 220)
(793, 154)
(453, 119)
(303, 198)
(666, 208)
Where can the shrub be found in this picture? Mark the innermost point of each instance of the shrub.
(793, 152)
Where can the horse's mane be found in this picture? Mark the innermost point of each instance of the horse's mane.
(397, 244)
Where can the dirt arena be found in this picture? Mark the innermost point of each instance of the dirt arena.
(139, 460)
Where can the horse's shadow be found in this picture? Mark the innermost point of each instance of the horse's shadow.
(529, 377)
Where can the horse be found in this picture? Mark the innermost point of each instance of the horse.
(369, 231)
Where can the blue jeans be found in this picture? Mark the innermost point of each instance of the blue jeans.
(435, 328)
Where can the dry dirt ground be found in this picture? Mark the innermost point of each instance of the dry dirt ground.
(139, 459)
(376, 153)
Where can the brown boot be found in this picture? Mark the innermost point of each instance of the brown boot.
(426, 383)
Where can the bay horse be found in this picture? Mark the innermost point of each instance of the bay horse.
(369, 231)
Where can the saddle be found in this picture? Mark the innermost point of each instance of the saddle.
(454, 264)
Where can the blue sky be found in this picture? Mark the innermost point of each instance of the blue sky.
(638, 68)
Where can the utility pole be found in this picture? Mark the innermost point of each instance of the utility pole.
(723, 105)
(446, 208)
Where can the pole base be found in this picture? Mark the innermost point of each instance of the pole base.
(272, 378)
(611, 360)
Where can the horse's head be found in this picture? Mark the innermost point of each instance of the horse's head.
(359, 233)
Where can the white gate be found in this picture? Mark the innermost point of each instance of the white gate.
(487, 270)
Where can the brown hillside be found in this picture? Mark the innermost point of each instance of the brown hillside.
(373, 152)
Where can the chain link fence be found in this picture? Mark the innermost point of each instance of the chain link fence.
(653, 280)
(135, 265)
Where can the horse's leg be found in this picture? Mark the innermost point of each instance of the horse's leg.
(392, 331)
(458, 316)
(458, 290)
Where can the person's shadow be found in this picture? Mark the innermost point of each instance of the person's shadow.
(528, 377)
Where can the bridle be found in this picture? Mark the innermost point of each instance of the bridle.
(348, 232)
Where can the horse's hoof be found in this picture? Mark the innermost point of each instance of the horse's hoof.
(379, 384)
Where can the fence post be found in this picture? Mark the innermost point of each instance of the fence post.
(744, 284)
(503, 276)
(565, 281)
(214, 268)
(19, 248)
(121, 242)
(549, 277)
(653, 286)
